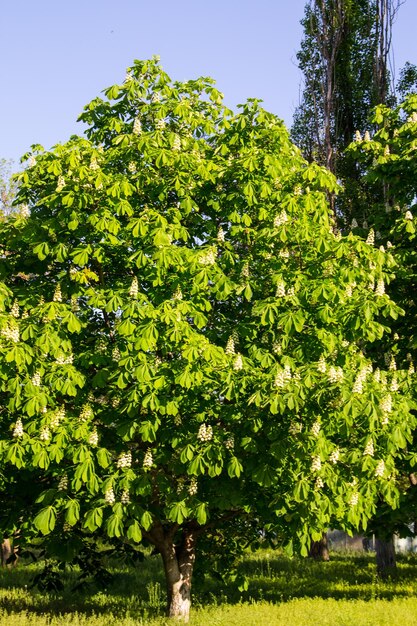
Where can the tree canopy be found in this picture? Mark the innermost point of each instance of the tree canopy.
(184, 331)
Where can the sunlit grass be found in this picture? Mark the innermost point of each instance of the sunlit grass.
(282, 591)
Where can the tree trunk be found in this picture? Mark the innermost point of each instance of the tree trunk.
(6, 551)
(385, 556)
(178, 566)
(319, 550)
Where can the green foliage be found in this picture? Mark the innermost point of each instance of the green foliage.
(182, 330)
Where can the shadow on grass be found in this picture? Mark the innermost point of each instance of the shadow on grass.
(272, 577)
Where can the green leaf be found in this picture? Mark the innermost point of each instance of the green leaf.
(73, 512)
(134, 532)
(45, 520)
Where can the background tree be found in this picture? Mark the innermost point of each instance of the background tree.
(181, 335)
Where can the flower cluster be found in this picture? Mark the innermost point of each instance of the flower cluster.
(160, 124)
(335, 374)
(193, 486)
(57, 417)
(137, 126)
(177, 295)
(315, 464)
(283, 377)
(109, 496)
(319, 484)
(45, 434)
(61, 359)
(321, 365)
(394, 385)
(75, 307)
(94, 166)
(36, 379)
(60, 184)
(220, 235)
(57, 294)
(14, 311)
(18, 429)
(134, 288)
(176, 145)
(11, 333)
(63, 483)
(316, 428)
(209, 258)
(93, 438)
(277, 347)
(125, 497)
(132, 167)
(87, 412)
(359, 380)
(380, 469)
(386, 408)
(295, 428)
(371, 237)
(369, 448)
(354, 499)
(116, 354)
(380, 288)
(205, 433)
(334, 457)
(147, 459)
(229, 444)
(280, 290)
(238, 362)
(230, 346)
(124, 460)
(280, 219)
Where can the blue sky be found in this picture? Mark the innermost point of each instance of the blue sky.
(58, 55)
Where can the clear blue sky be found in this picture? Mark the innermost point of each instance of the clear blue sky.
(57, 55)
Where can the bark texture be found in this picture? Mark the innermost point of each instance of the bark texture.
(319, 550)
(385, 556)
(178, 565)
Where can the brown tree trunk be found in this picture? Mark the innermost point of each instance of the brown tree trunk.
(6, 551)
(385, 556)
(319, 550)
(178, 566)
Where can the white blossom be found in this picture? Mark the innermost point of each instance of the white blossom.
(229, 444)
(86, 413)
(392, 364)
(57, 294)
(380, 469)
(160, 124)
(205, 433)
(116, 354)
(31, 161)
(176, 146)
(94, 166)
(209, 258)
(18, 429)
(148, 459)
(193, 486)
(358, 136)
(60, 184)
(45, 434)
(137, 126)
(295, 428)
(230, 346)
(63, 483)
(319, 484)
(280, 290)
(93, 438)
(354, 224)
(354, 499)
(220, 235)
(15, 311)
(322, 365)
(369, 448)
(334, 457)
(125, 497)
(280, 219)
(380, 288)
(315, 464)
(371, 237)
(367, 136)
(36, 379)
(238, 362)
(134, 288)
(386, 404)
(245, 271)
(124, 460)
(315, 429)
(408, 215)
(394, 384)
(109, 496)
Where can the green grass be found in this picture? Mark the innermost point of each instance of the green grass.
(282, 591)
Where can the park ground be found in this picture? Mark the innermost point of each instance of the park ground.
(281, 592)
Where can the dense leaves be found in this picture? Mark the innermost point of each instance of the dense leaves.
(183, 329)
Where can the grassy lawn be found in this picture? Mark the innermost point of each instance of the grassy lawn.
(282, 591)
